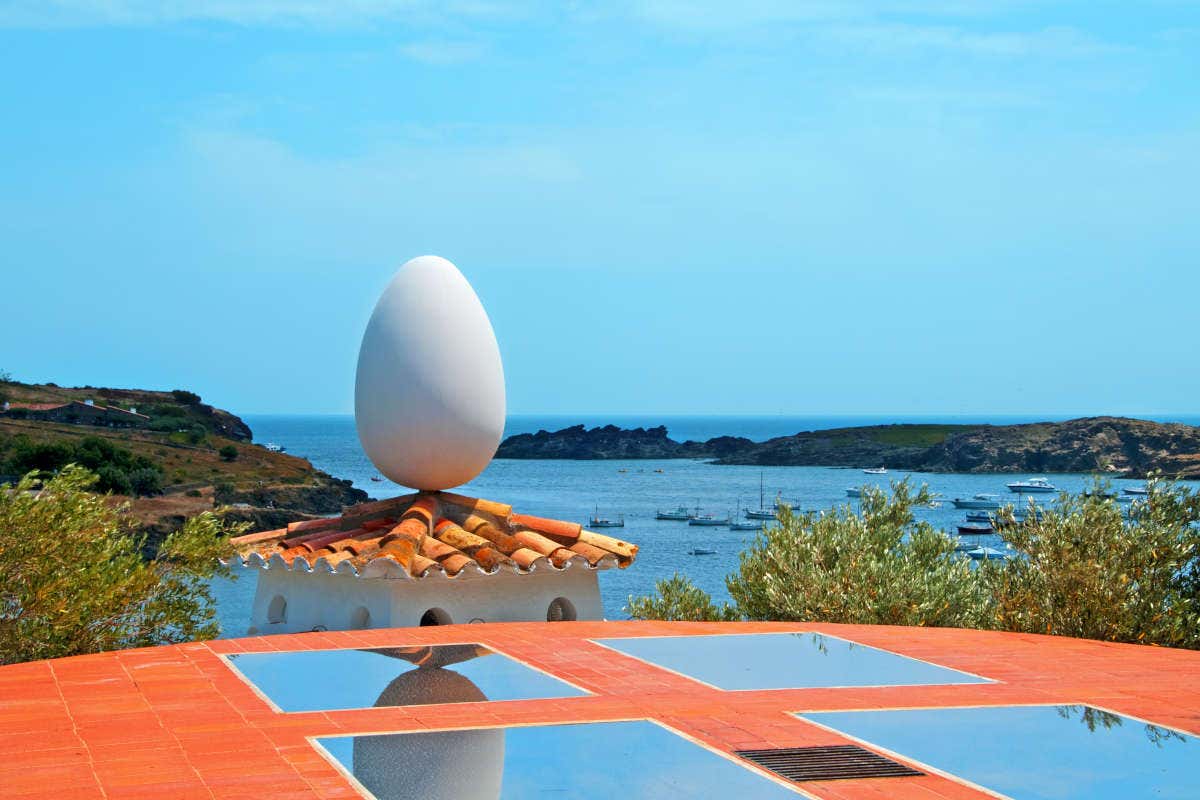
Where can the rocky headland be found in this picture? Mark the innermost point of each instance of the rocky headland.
(1093, 444)
(198, 457)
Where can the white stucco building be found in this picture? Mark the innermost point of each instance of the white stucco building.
(432, 558)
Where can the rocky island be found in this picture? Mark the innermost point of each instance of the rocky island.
(1133, 447)
(172, 455)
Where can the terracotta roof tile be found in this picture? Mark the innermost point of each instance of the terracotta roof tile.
(430, 534)
(554, 528)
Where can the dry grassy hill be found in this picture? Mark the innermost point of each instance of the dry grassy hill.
(187, 442)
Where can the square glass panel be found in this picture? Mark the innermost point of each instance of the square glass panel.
(330, 680)
(784, 661)
(1036, 752)
(588, 761)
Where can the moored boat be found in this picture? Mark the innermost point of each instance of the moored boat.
(975, 530)
(989, 501)
(701, 551)
(853, 492)
(598, 521)
(875, 471)
(680, 514)
(708, 521)
(1033, 486)
(762, 512)
(987, 554)
(979, 516)
(753, 525)
(1136, 491)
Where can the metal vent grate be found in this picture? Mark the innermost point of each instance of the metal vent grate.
(835, 762)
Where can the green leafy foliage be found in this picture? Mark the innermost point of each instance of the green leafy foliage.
(73, 580)
(1091, 569)
(677, 599)
(228, 453)
(876, 565)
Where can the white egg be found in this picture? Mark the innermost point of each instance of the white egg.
(429, 395)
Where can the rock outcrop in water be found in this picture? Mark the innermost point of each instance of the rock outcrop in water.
(1080, 445)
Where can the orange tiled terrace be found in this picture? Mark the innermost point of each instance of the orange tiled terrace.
(184, 722)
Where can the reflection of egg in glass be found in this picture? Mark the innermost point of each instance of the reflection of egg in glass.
(447, 765)
(429, 396)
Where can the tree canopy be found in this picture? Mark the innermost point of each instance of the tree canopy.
(73, 579)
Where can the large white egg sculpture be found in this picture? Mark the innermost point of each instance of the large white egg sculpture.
(429, 395)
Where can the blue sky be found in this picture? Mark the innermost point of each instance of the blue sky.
(918, 207)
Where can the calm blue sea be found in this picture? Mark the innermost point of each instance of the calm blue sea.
(573, 490)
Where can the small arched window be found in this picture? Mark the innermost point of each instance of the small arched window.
(277, 610)
(435, 616)
(561, 610)
(360, 619)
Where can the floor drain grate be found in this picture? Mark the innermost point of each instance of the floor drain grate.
(836, 762)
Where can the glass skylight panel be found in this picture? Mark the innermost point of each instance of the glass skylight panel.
(1036, 752)
(784, 661)
(327, 680)
(590, 761)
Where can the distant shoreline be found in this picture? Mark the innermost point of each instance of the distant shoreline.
(1108, 445)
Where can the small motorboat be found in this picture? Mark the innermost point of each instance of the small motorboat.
(598, 521)
(753, 525)
(975, 530)
(979, 516)
(1136, 491)
(376, 478)
(987, 554)
(854, 493)
(875, 471)
(1033, 486)
(660, 471)
(989, 501)
(680, 514)
(274, 448)
(708, 521)
(701, 551)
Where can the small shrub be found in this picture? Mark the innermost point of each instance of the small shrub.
(678, 599)
(113, 479)
(193, 493)
(145, 482)
(185, 397)
(228, 453)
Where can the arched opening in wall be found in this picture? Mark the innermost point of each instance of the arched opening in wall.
(435, 616)
(561, 610)
(277, 610)
(360, 619)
